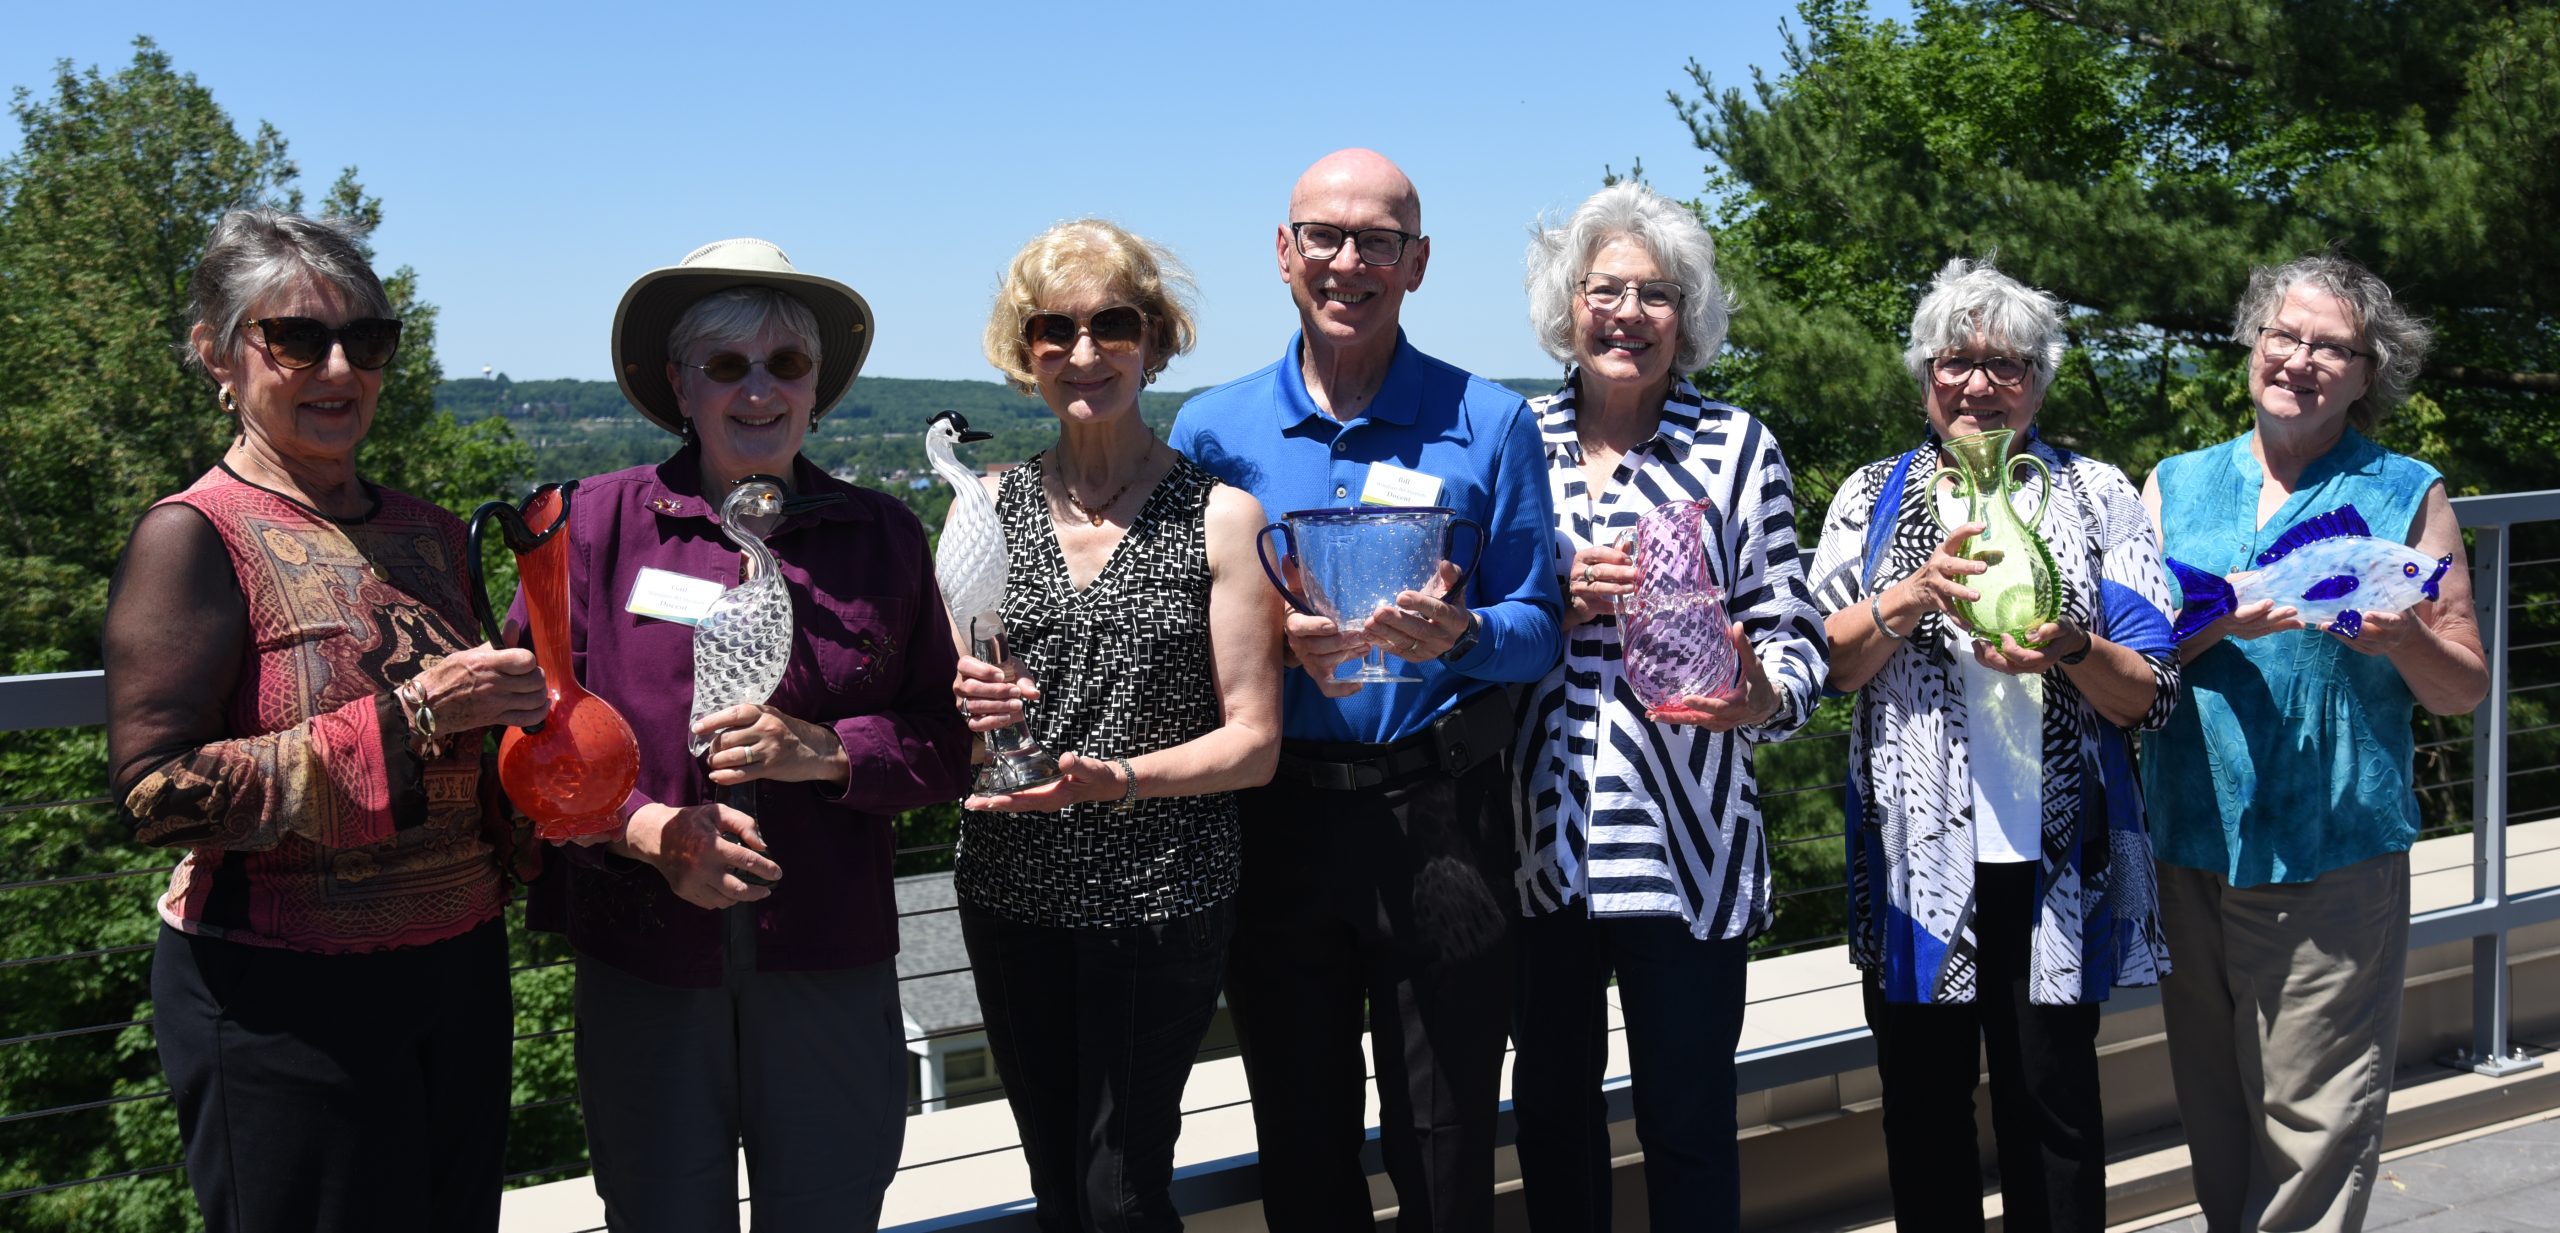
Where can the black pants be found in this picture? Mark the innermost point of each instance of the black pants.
(1389, 901)
(1094, 1032)
(1682, 999)
(329, 1092)
(2045, 1112)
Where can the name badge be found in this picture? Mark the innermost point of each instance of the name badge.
(1393, 485)
(672, 597)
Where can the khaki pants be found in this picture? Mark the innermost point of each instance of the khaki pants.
(2283, 1012)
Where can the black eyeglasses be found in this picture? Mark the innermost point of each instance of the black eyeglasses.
(2281, 344)
(1956, 370)
(1116, 331)
(300, 342)
(729, 367)
(1376, 245)
(1603, 293)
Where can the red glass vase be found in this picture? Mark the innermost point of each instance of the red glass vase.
(571, 772)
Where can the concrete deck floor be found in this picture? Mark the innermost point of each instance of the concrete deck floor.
(2500, 1179)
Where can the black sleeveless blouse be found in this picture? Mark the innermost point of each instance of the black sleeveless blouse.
(1124, 670)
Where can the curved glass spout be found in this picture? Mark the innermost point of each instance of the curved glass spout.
(571, 772)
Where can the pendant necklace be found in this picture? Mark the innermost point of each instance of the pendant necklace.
(1092, 516)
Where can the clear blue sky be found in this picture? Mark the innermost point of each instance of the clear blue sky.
(533, 158)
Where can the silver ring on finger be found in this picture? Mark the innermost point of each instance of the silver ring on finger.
(1586, 573)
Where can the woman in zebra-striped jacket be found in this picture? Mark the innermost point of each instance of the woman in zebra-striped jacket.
(1999, 876)
(1640, 844)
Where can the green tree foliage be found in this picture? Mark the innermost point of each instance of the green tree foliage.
(2136, 157)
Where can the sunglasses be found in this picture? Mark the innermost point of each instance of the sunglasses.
(730, 368)
(1115, 331)
(300, 342)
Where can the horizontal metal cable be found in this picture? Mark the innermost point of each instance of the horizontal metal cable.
(1774, 793)
(925, 847)
(1783, 896)
(77, 954)
(50, 1187)
(948, 907)
(69, 879)
(33, 1114)
(33, 1037)
(73, 803)
(1789, 843)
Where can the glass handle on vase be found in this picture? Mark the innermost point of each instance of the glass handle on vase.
(2044, 478)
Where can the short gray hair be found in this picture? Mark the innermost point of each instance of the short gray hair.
(1559, 256)
(1971, 300)
(257, 254)
(2396, 338)
(739, 314)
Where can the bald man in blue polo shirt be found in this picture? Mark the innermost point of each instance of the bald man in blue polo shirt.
(1378, 862)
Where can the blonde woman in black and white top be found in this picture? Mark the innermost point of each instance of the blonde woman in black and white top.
(1097, 909)
(1641, 852)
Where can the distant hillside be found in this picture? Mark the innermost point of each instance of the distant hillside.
(582, 428)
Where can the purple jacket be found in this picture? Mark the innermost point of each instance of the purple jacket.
(873, 659)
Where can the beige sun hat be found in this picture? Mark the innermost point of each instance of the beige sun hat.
(650, 308)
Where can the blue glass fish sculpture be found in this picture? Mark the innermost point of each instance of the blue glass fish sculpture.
(2330, 570)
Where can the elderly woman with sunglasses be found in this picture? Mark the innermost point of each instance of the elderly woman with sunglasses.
(295, 700)
(736, 982)
(1640, 847)
(1999, 879)
(2285, 802)
(1145, 646)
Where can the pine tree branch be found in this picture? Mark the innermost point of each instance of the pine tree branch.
(2495, 378)
(2070, 15)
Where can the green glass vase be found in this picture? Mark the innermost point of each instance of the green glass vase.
(2022, 589)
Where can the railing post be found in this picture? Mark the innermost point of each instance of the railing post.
(2490, 1052)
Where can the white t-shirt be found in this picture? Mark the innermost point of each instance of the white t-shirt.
(2004, 731)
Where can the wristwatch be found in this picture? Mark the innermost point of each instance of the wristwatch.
(1466, 639)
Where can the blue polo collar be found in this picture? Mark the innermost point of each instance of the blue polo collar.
(1393, 404)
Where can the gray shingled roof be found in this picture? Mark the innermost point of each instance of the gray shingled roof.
(929, 941)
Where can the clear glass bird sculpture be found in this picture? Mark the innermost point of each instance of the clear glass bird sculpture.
(969, 565)
(743, 643)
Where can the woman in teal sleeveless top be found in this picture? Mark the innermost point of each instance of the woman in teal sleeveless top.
(2280, 792)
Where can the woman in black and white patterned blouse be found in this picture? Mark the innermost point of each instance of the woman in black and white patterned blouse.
(1641, 853)
(1096, 909)
(2000, 878)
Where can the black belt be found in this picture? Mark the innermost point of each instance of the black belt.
(1473, 731)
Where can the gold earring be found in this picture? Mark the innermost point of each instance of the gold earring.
(230, 401)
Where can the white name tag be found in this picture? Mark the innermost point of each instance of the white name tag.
(1393, 485)
(672, 597)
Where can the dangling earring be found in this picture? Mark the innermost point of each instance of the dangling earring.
(230, 401)
(688, 434)
(1151, 378)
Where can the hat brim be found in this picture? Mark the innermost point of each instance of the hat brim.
(656, 299)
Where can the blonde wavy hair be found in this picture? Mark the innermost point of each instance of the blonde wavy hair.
(1090, 253)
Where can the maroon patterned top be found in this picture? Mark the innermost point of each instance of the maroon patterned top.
(251, 650)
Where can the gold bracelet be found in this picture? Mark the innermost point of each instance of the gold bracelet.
(1875, 609)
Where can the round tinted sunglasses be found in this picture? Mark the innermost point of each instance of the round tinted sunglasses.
(300, 342)
(1115, 331)
(729, 367)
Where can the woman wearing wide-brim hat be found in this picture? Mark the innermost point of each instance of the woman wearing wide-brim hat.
(736, 980)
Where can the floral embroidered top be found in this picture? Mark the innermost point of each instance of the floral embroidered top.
(1911, 838)
(2306, 744)
(252, 646)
